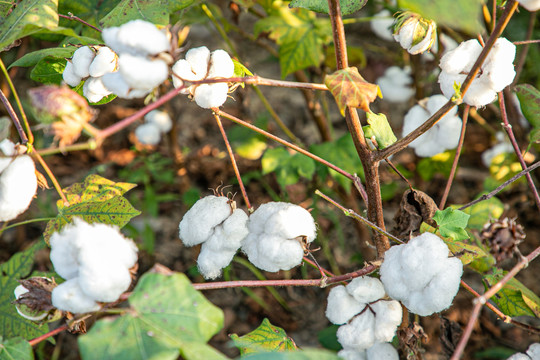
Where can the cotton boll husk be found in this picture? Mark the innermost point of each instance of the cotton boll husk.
(198, 59)
(461, 58)
(387, 319)
(142, 73)
(359, 333)
(210, 263)
(423, 45)
(531, 5)
(102, 280)
(534, 349)
(104, 62)
(69, 296)
(18, 185)
(341, 305)
(406, 34)
(366, 289)
(142, 37)
(81, 60)
(382, 351)
(198, 223)
(94, 90)
(221, 65)
(209, 96)
(69, 75)
(381, 25)
(148, 134)
(159, 118)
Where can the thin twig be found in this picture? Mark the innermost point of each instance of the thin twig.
(39, 339)
(51, 177)
(510, 133)
(399, 173)
(258, 80)
(233, 161)
(89, 145)
(14, 118)
(70, 16)
(456, 157)
(502, 186)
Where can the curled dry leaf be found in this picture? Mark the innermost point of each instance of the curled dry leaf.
(415, 207)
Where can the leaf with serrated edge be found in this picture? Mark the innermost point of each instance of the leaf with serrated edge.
(380, 129)
(17, 267)
(16, 349)
(266, 337)
(452, 223)
(482, 212)
(127, 10)
(350, 89)
(167, 318)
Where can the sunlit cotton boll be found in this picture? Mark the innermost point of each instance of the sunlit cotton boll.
(444, 135)
(81, 60)
(142, 73)
(159, 118)
(136, 37)
(94, 90)
(69, 75)
(105, 62)
(69, 296)
(115, 83)
(148, 134)
(396, 84)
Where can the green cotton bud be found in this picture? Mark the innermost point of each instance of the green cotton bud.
(414, 33)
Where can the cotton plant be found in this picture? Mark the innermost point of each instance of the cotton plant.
(18, 181)
(503, 146)
(444, 135)
(532, 353)
(421, 275)
(414, 33)
(201, 64)
(365, 316)
(156, 123)
(95, 260)
(216, 223)
(495, 74)
(395, 84)
(279, 234)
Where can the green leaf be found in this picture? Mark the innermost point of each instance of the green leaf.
(167, 318)
(457, 14)
(328, 338)
(96, 200)
(247, 143)
(437, 164)
(27, 18)
(482, 212)
(288, 168)
(266, 337)
(177, 5)
(90, 11)
(152, 11)
(34, 57)
(514, 299)
(534, 136)
(300, 36)
(529, 100)
(380, 129)
(452, 223)
(48, 70)
(17, 267)
(350, 89)
(15, 349)
(321, 6)
(306, 354)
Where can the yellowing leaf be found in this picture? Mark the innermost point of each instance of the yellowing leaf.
(350, 89)
(266, 337)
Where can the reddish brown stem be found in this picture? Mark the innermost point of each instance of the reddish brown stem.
(47, 335)
(70, 16)
(14, 118)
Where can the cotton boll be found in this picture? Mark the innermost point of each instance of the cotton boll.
(148, 134)
(359, 333)
(198, 59)
(405, 34)
(461, 58)
(382, 351)
(366, 289)
(115, 83)
(110, 37)
(423, 45)
(290, 221)
(531, 5)
(381, 25)
(69, 75)
(104, 62)
(447, 81)
(387, 319)
(183, 70)
(235, 230)
(81, 60)
(159, 118)
(102, 280)
(199, 222)
(210, 96)
(139, 37)
(64, 252)
(500, 75)
(23, 310)
(519, 356)
(221, 65)
(351, 354)
(395, 84)
(94, 90)
(211, 263)
(276, 253)
(342, 306)
(534, 349)
(68, 296)
(480, 93)
(444, 287)
(18, 185)
(142, 73)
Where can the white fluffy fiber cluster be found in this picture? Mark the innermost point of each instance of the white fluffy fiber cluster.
(18, 182)
(421, 275)
(379, 351)
(140, 70)
(407, 35)
(365, 317)
(531, 5)
(381, 25)
(213, 223)
(532, 353)
(91, 63)
(444, 135)
(396, 84)
(275, 232)
(496, 73)
(156, 123)
(95, 260)
(200, 64)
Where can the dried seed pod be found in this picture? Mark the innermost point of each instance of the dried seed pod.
(503, 237)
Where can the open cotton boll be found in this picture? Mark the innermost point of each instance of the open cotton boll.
(210, 96)
(405, 34)
(198, 59)
(199, 222)
(81, 60)
(359, 334)
(69, 296)
(94, 90)
(69, 75)
(210, 263)
(159, 118)
(221, 65)
(103, 280)
(520, 356)
(351, 354)
(142, 73)
(342, 306)
(104, 62)
(148, 134)
(139, 37)
(366, 289)
(381, 25)
(229, 235)
(534, 349)
(115, 83)
(461, 58)
(18, 185)
(183, 69)
(65, 247)
(273, 253)
(531, 5)
(382, 351)
(395, 84)
(387, 319)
